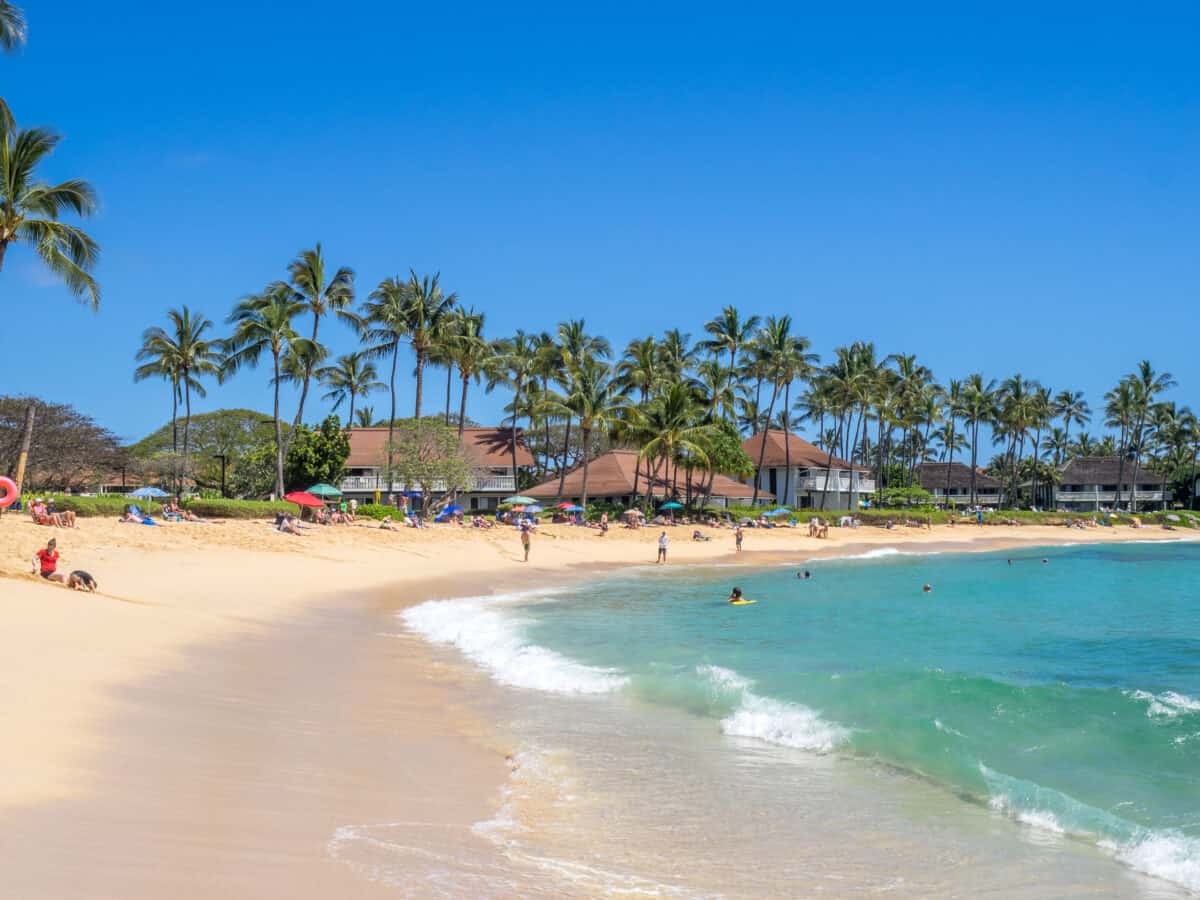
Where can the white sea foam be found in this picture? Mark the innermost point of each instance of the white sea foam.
(1164, 854)
(946, 729)
(876, 553)
(773, 721)
(1168, 704)
(494, 638)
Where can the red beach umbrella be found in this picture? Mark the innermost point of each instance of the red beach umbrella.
(303, 498)
(564, 506)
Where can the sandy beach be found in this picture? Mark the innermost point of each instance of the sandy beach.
(233, 696)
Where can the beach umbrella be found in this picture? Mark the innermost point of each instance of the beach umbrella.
(778, 511)
(1173, 518)
(303, 498)
(533, 509)
(524, 501)
(324, 491)
(148, 493)
(453, 508)
(572, 508)
(633, 512)
(564, 505)
(671, 505)
(518, 508)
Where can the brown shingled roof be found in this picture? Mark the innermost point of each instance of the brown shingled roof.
(933, 475)
(611, 475)
(803, 454)
(483, 446)
(1103, 470)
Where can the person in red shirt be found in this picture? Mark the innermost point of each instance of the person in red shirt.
(45, 562)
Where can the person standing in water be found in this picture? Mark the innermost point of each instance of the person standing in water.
(525, 539)
(663, 540)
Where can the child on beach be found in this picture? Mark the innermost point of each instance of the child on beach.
(45, 562)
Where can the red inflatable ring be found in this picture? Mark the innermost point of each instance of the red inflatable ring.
(9, 497)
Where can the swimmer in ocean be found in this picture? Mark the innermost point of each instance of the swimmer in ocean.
(735, 595)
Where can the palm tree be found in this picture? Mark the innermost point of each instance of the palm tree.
(1149, 385)
(12, 26)
(350, 378)
(384, 326)
(1120, 410)
(729, 333)
(185, 351)
(594, 399)
(425, 308)
(640, 367)
(159, 362)
(953, 400)
(672, 430)
(30, 209)
(264, 322)
(979, 407)
(365, 416)
(1058, 445)
(773, 346)
(675, 354)
(1070, 406)
(792, 361)
(516, 366)
(320, 296)
(472, 355)
(573, 349)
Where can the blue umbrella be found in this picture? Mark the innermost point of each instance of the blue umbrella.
(572, 509)
(455, 508)
(672, 505)
(778, 511)
(146, 493)
(533, 509)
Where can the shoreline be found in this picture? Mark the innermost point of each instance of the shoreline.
(94, 677)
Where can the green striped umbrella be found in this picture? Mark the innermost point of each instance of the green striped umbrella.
(324, 491)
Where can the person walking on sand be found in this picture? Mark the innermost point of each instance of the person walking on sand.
(525, 538)
(663, 540)
(45, 562)
(738, 534)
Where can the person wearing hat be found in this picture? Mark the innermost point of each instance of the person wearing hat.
(45, 562)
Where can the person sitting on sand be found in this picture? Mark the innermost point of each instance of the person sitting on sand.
(45, 562)
(80, 580)
(698, 535)
(386, 524)
(129, 516)
(61, 518)
(735, 595)
(289, 524)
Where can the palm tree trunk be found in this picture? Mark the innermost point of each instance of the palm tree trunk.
(762, 450)
(637, 471)
(449, 373)
(175, 432)
(513, 437)
(278, 437)
(562, 469)
(392, 417)
(420, 383)
(829, 461)
(1191, 483)
(462, 407)
(350, 421)
(974, 457)
(1121, 449)
(587, 444)
(787, 446)
(3, 250)
(950, 463)
(1137, 458)
(187, 424)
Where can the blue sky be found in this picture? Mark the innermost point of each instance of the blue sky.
(1012, 194)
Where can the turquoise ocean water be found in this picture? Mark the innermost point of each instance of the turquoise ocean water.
(1062, 695)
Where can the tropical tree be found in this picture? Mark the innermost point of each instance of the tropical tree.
(12, 26)
(384, 326)
(30, 209)
(365, 416)
(730, 333)
(473, 357)
(263, 322)
(673, 430)
(353, 376)
(425, 308)
(1070, 406)
(321, 296)
(594, 400)
(1148, 387)
(515, 365)
(185, 351)
(979, 408)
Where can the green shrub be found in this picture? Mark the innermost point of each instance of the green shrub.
(100, 506)
(238, 509)
(376, 510)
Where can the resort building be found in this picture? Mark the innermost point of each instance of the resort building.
(1089, 484)
(813, 473)
(611, 479)
(488, 449)
(950, 484)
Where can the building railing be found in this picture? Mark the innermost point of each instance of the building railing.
(842, 485)
(1104, 496)
(379, 483)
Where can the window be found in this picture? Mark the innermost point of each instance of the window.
(1108, 487)
(773, 482)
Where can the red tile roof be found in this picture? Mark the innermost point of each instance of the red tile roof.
(803, 454)
(484, 447)
(611, 475)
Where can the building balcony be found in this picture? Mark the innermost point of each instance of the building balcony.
(371, 483)
(1109, 496)
(836, 485)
